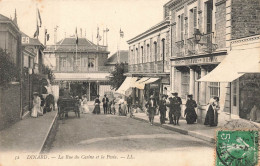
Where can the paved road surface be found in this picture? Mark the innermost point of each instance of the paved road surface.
(113, 133)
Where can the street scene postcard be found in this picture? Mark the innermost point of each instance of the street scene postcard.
(129, 82)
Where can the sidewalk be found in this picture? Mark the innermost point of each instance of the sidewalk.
(27, 135)
(196, 130)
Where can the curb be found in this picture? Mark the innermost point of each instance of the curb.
(51, 128)
(182, 131)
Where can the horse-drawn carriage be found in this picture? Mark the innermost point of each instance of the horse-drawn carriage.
(66, 105)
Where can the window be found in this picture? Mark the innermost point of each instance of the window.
(63, 61)
(234, 93)
(192, 21)
(209, 6)
(131, 57)
(137, 58)
(26, 61)
(91, 62)
(185, 84)
(142, 54)
(155, 51)
(31, 62)
(148, 53)
(163, 50)
(214, 89)
(181, 27)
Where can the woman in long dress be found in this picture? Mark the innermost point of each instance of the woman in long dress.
(97, 106)
(212, 113)
(84, 106)
(36, 110)
(190, 113)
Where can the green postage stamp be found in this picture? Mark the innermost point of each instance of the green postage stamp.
(237, 148)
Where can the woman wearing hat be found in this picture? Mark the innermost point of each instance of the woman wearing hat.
(84, 108)
(36, 110)
(190, 113)
(97, 106)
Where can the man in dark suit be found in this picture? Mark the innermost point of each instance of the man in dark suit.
(105, 101)
(176, 101)
(162, 109)
(129, 103)
(151, 108)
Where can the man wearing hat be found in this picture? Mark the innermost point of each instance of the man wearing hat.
(162, 109)
(151, 108)
(105, 101)
(176, 106)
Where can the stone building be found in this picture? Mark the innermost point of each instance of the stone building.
(10, 97)
(148, 62)
(80, 68)
(202, 32)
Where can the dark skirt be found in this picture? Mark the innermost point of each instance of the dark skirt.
(151, 112)
(96, 109)
(191, 115)
(211, 117)
(177, 112)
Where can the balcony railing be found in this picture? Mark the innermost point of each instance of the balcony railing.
(189, 47)
(78, 69)
(149, 67)
(72, 48)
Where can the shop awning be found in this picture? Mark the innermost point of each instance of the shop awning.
(141, 83)
(128, 83)
(151, 80)
(234, 65)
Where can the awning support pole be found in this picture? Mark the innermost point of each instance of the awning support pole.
(230, 97)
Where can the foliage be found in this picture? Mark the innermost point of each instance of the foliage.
(9, 71)
(46, 70)
(117, 76)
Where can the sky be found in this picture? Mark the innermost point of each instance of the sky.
(131, 16)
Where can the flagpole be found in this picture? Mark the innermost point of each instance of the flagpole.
(37, 21)
(103, 37)
(106, 35)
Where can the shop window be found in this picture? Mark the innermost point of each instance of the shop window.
(214, 89)
(185, 84)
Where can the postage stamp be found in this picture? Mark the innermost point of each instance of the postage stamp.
(237, 148)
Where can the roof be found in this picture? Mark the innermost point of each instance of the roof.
(123, 57)
(72, 41)
(32, 41)
(4, 18)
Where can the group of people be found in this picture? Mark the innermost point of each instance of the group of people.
(42, 105)
(174, 103)
(124, 107)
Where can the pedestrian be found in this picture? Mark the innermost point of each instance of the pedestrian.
(84, 105)
(36, 110)
(151, 108)
(105, 101)
(122, 106)
(162, 109)
(129, 103)
(176, 101)
(113, 108)
(189, 112)
(97, 106)
(42, 104)
(211, 118)
(169, 104)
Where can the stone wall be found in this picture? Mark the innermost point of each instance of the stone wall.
(9, 105)
(245, 15)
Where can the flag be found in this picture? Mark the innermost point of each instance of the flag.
(106, 30)
(47, 35)
(98, 36)
(121, 33)
(39, 17)
(77, 39)
(36, 33)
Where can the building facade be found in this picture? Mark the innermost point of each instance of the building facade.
(201, 35)
(149, 59)
(10, 97)
(32, 51)
(80, 68)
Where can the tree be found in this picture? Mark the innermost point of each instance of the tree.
(117, 76)
(46, 70)
(9, 71)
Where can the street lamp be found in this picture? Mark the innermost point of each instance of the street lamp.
(197, 35)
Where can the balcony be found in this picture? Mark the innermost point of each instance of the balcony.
(189, 47)
(72, 48)
(84, 69)
(149, 67)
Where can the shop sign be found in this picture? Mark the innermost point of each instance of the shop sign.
(195, 61)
